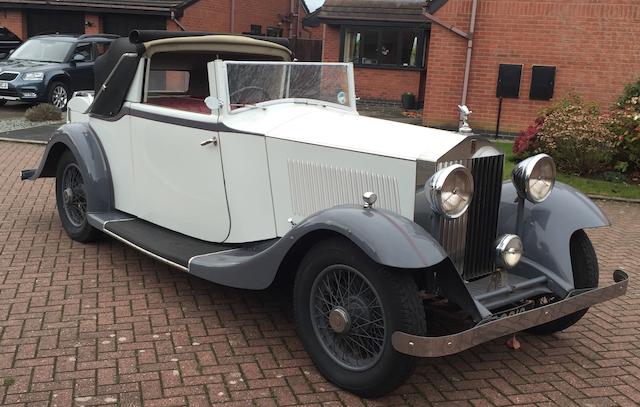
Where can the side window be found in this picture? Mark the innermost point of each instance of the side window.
(100, 48)
(178, 89)
(83, 49)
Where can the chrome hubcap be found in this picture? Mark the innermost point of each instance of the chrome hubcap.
(67, 195)
(59, 97)
(339, 320)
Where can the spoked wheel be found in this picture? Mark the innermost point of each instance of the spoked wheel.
(348, 317)
(346, 308)
(71, 197)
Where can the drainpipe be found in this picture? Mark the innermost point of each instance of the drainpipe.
(469, 37)
(232, 17)
(467, 67)
(292, 11)
(175, 20)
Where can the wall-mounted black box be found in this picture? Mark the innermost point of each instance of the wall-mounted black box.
(509, 81)
(543, 79)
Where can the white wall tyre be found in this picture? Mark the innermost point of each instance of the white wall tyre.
(346, 308)
(71, 199)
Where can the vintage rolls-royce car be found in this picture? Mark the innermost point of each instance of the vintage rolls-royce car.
(218, 155)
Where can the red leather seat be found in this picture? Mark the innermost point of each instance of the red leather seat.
(189, 104)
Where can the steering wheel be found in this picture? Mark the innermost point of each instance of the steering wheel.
(252, 99)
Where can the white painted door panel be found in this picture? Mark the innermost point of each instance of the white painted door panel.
(180, 183)
(116, 140)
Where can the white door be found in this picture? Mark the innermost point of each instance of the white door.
(179, 181)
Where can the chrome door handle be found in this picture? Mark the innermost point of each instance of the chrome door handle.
(212, 140)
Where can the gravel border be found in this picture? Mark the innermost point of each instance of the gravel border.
(22, 123)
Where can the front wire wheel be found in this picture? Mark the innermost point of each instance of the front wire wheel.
(348, 317)
(346, 308)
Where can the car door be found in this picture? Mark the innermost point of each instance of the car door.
(177, 161)
(81, 70)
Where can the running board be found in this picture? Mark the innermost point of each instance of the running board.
(248, 265)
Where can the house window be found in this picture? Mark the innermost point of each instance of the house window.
(388, 47)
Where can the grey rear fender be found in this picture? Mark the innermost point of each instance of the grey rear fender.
(547, 227)
(80, 139)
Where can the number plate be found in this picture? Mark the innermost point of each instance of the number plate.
(4, 85)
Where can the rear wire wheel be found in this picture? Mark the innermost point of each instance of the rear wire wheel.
(346, 308)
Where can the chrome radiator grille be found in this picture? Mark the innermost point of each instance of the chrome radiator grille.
(469, 239)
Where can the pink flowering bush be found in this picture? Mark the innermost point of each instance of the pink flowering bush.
(578, 137)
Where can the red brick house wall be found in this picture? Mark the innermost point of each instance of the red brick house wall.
(95, 24)
(14, 21)
(372, 83)
(205, 15)
(593, 44)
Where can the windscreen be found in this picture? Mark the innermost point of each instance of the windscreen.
(253, 83)
(43, 50)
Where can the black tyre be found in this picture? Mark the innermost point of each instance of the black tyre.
(585, 275)
(346, 308)
(71, 200)
(3, 102)
(58, 95)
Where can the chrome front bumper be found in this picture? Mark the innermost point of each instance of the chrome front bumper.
(426, 346)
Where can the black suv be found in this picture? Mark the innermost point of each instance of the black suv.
(8, 42)
(49, 68)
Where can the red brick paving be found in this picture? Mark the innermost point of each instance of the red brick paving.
(101, 324)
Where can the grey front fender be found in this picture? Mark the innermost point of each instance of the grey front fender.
(80, 139)
(547, 227)
(387, 238)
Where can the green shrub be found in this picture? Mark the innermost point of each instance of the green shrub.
(578, 137)
(624, 122)
(42, 113)
(631, 90)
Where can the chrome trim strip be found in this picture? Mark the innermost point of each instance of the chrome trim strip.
(148, 253)
(424, 346)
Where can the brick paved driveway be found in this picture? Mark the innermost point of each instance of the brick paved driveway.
(102, 324)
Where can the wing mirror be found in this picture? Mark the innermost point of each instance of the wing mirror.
(3, 55)
(213, 103)
(78, 58)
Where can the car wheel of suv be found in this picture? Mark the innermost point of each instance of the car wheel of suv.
(3, 102)
(346, 308)
(58, 95)
(71, 198)
(584, 264)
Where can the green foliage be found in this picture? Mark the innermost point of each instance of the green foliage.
(624, 122)
(631, 90)
(577, 137)
(42, 113)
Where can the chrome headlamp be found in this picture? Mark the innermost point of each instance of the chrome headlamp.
(508, 251)
(534, 177)
(450, 190)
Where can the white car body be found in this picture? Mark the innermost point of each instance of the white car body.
(278, 144)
